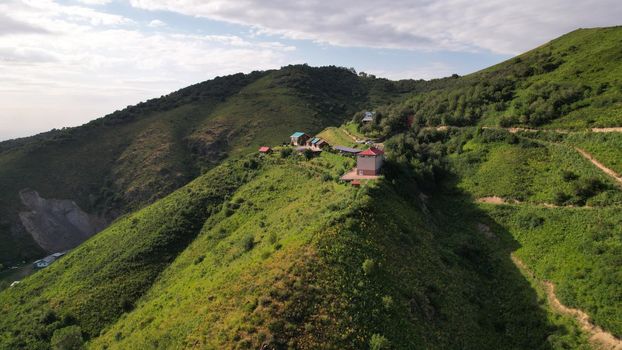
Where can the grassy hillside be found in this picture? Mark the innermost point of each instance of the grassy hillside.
(575, 245)
(361, 267)
(574, 81)
(132, 157)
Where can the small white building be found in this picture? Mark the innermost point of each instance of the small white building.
(45, 262)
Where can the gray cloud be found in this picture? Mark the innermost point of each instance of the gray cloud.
(9, 25)
(501, 26)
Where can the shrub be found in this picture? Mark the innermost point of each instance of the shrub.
(199, 259)
(326, 177)
(378, 342)
(387, 302)
(530, 221)
(248, 242)
(308, 154)
(561, 198)
(369, 266)
(286, 152)
(68, 338)
(568, 175)
(48, 317)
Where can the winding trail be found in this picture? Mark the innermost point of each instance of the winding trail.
(502, 201)
(599, 337)
(600, 165)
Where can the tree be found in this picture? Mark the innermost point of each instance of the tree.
(369, 266)
(308, 154)
(379, 342)
(68, 338)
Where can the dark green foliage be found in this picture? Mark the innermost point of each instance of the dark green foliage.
(248, 242)
(369, 266)
(286, 152)
(379, 342)
(68, 338)
(308, 154)
(568, 175)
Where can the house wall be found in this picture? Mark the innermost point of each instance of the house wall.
(299, 141)
(367, 165)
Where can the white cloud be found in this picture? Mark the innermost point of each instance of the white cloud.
(501, 26)
(156, 23)
(95, 2)
(86, 63)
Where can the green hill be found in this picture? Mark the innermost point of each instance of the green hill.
(130, 158)
(279, 253)
(572, 82)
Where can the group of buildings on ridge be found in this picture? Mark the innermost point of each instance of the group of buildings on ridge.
(368, 162)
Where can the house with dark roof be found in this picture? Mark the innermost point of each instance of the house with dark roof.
(299, 138)
(369, 161)
(317, 143)
(346, 150)
(368, 117)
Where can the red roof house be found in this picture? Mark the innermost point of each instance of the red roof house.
(369, 161)
(265, 149)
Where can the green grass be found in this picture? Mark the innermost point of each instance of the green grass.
(605, 147)
(337, 137)
(272, 250)
(530, 172)
(578, 250)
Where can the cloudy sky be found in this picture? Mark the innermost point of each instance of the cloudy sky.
(64, 62)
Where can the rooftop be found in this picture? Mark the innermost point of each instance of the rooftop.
(347, 149)
(372, 151)
(297, 134)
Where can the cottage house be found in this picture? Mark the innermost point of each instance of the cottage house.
(317, 144)
(299, 138)
(265, 150)
(369, 161)
(368, 117)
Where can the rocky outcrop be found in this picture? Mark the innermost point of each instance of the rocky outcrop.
(57, 224)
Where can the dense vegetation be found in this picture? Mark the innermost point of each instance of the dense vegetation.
(132, 157)
(361, 268)
(574, 81)
(276, 251)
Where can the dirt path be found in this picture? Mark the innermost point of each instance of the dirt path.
(348, 133)
(617, 129)
(599, 337)
(499, 201)
(601, 166)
